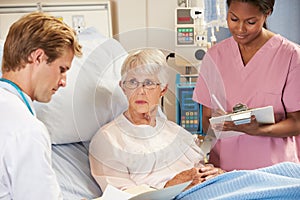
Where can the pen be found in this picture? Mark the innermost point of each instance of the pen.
(218, 103)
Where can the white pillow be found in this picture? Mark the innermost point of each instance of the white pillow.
(92, 96)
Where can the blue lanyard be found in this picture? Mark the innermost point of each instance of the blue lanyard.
(19, 91)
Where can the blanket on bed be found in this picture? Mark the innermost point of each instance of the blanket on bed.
(281, 181)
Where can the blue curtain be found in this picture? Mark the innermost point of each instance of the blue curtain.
(285, 19)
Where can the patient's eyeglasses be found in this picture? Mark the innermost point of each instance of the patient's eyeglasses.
(147, 84)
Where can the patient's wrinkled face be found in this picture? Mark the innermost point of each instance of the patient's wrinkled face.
(143, 92)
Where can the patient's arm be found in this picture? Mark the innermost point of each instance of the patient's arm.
(105, 175)
(184, 176)
(196, 175)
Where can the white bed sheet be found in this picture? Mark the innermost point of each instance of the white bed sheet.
(71, 164)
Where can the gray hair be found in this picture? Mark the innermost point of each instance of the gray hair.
(146, 61)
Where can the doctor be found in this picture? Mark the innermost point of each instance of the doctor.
(38, 52)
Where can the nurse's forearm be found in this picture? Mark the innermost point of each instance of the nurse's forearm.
(285, 128)
(206, 114)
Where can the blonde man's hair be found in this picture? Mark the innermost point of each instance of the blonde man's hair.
(33, 31)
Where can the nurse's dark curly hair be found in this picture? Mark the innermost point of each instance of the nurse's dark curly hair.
(265, 6)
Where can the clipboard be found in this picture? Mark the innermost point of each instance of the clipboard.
(264, 115)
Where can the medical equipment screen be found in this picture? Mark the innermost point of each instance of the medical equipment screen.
(184, 16)
(190, 112)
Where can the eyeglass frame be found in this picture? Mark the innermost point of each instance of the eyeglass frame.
(143, 84)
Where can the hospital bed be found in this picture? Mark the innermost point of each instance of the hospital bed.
(282, 181)
(71, 165)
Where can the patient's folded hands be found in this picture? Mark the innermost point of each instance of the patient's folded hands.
(209, 171)
(196, 175)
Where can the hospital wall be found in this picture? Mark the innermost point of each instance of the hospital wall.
(77, 14)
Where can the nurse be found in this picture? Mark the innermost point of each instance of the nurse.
(138, 147)
(258, 68)
(38, 51)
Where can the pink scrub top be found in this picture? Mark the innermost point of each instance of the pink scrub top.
(271, 77)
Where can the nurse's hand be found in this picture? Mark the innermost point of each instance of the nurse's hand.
(251, 128)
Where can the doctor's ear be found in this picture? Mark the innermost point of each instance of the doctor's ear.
(37, 56)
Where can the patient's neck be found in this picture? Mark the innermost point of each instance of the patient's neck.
(136, 118)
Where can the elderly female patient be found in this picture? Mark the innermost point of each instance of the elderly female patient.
(138, 147)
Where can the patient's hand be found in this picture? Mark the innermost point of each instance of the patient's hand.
(209, 171)
(196, 175)
(184, 176)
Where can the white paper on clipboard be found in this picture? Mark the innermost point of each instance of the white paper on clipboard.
(264, 115)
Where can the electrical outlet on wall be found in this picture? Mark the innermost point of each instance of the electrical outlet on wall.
(78, 23)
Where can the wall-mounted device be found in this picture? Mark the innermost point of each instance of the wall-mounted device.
(191, 36)
(193, 20)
